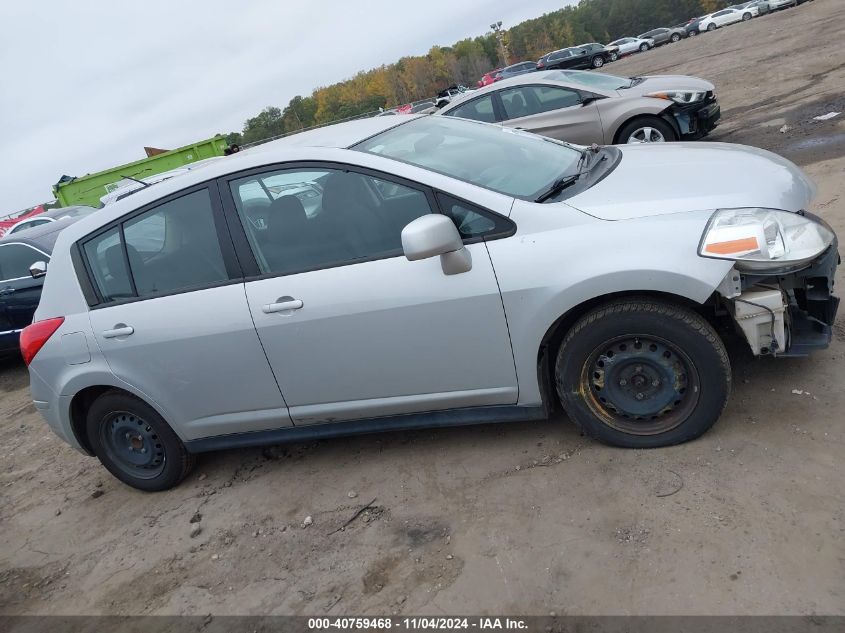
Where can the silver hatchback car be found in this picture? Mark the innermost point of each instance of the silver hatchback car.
(405, 272)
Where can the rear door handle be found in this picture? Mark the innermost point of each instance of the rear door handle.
(282, 304)
(119, 330)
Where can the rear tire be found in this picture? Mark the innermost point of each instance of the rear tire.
(693, 33)
(746, 17)
(711, 27)
(135, 444)
(643, 373)
(614, 57)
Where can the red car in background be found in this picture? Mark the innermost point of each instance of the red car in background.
(488, 78)
(5, 225)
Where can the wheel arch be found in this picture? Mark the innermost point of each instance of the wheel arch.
(554, 335)
(664, 115)
(82, 400)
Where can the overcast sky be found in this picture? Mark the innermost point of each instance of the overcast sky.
(84, 86)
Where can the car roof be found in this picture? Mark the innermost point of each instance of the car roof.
(43, 236)
(337, 136)
(59, 212)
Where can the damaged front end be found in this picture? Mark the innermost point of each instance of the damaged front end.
(788, 311)
(784, 315)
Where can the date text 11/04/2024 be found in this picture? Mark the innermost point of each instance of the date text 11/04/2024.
(417, 623)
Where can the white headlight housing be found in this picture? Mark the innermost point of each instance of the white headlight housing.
(764, 240)
(682, 97)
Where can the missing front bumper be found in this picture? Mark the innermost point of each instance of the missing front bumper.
(785, 315)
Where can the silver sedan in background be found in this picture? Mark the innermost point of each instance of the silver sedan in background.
(587, 107)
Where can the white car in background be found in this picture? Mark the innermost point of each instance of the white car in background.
(722, 18)
(628, 45)
(129, 185)
(751, 8)
(782, 4)
(51, 216)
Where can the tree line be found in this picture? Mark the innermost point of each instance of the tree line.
(418, 77)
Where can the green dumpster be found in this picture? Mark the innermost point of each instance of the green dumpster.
(89, 189)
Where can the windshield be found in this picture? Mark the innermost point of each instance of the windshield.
(502, 159)
(590, 80)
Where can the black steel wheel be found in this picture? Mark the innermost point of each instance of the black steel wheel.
(642, 373)
(640, 384)
(135, 443)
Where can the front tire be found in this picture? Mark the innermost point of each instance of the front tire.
(675, 38)
(643, 48)
(135, 444)
(598, 61)
(648, 129)
(643, 373)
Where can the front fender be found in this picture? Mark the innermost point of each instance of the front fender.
(545, 274)
(615, 113)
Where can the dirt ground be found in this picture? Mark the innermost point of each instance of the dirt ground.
(523, 518)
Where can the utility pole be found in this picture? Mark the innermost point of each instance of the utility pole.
(500, 38)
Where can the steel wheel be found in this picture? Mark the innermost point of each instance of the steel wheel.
(646, 134)
(133, 445)
(642, 385)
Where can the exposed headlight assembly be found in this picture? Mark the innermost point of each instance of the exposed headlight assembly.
(682, 97)
(764, 240)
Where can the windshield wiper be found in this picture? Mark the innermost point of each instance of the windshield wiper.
(558, 186)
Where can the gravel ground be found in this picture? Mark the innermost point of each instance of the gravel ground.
(522, 518)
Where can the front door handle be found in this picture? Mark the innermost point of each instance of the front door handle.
(282, 304)
(6, 291)
(119, 330)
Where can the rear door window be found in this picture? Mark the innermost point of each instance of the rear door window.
(169, 248)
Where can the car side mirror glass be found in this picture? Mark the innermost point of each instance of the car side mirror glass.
(436, 235)
(38, 269)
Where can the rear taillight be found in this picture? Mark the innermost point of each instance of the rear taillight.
(34, 336)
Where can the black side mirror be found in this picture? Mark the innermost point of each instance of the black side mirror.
(587, 99)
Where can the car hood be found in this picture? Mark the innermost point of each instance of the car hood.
(656, 83)
(662, 178)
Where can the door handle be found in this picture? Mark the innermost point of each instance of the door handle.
(7, 291)
(119, 330)
(282, 304)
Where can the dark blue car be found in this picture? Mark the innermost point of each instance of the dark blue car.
(19, 292)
